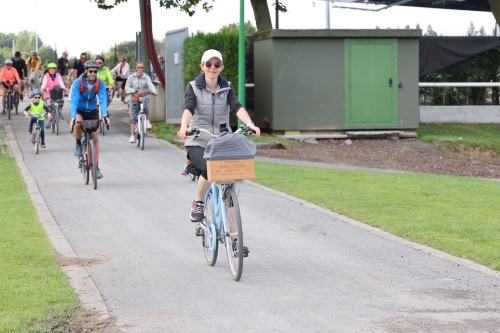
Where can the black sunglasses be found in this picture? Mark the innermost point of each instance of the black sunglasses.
(216, 64)
(139, 67)
(83, 58)
(9, 64)
(36, 97)
(92, 72)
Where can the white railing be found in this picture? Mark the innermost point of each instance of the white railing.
(458, 84)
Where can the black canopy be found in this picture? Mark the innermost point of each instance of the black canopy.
(477, 5)
(440, 52)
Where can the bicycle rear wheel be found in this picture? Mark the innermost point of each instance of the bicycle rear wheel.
(84, 165)
(93, 164)
(233, 237)
(210, 244)
(36, 139)
(16, 104)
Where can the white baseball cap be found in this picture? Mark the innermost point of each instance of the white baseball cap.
(210, 54)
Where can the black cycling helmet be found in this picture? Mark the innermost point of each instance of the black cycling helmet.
(100, 57)
(91, 64)
(17, 54)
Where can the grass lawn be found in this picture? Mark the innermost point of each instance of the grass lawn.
(458, 137)
(454, 214)
(33, 288)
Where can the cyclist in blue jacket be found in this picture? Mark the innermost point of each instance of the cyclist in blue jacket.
(83, 106)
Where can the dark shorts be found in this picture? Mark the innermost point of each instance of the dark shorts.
(6, 86)
(88, 115)
(123, 81)
(195, 155)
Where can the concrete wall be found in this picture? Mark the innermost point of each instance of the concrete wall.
(157, 106)
(460, 114)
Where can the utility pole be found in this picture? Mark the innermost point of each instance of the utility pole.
(327, 14)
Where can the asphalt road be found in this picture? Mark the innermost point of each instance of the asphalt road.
(307, 271)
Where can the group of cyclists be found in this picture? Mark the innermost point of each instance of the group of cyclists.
(208, 100)
(89, 93)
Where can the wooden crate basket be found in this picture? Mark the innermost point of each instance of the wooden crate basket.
(230, 170)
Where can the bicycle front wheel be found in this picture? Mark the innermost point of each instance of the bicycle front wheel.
(233, 237)
(57, 127)
(93, 164)
(210, 244)
(16, 104)
(9, 104)
(84, 165)
(143, 132)
(36, 139)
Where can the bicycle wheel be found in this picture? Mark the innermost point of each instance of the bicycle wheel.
(193, 177)
(126, 99)
(143, 132)
(57, 127)
(36, 139)
(93, 164)
(209, 242)
(84, 165)
(16, 104)
(233, 238)
(9, 104)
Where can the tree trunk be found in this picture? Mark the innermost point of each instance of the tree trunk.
(495, 9)
(262, 15)
(144, 53)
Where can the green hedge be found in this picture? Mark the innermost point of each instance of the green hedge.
(225, 43)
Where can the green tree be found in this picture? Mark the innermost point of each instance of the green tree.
(471, 30)
(260, 8)
(235, 28)
(430, 32)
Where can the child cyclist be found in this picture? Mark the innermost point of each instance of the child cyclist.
(50, 80)
(38, 109)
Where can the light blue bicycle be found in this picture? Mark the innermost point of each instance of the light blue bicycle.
(222, 221)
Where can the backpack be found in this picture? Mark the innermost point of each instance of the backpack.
(96, 87)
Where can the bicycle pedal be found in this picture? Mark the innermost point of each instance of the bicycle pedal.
(199, 232)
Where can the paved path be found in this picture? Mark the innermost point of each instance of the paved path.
(309, 270)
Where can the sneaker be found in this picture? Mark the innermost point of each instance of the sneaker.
(78, 150)
(132, 139)
(61, 116)
(197, 211)
(185, 172)
(30, 132)
(3, 112)
(43, 145)
(99, 174)
(148, 124)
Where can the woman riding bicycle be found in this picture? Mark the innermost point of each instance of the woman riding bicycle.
(208, 101)
(8, 77)
(37, 108)
(122, 72)
(50, 80)
(141, 83)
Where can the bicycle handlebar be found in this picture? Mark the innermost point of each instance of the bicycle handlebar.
(196, 131)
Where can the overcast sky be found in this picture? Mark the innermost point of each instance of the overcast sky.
(78, 25)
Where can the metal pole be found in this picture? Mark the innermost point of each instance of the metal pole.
(13, 47)
(36, 32)
(241, 58)
(327, 2)
(277, 16)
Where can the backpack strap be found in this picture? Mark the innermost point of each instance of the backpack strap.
(96, 86)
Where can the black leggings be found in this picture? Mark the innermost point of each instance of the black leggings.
(195, 155)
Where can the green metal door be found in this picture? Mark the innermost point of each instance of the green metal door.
(371, 82)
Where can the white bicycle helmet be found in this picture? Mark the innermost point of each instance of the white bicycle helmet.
(8, 61)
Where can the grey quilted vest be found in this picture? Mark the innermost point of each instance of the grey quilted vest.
(211, 109)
